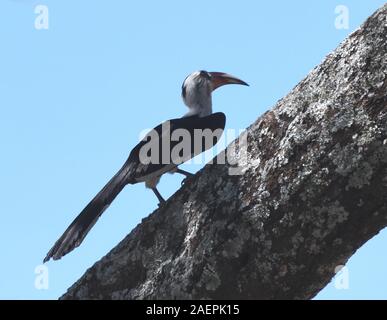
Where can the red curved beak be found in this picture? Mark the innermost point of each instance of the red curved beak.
(219, 79)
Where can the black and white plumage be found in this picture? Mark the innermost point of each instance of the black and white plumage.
(197, 91)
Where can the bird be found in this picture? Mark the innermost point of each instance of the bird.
(196, 93)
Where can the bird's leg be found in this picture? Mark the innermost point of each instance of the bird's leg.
(159, 196)
(188, 175)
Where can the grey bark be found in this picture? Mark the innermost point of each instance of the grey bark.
(312, 190)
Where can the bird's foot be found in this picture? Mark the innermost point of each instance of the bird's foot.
(187, 179)
(162, 203)
(159, 197)
(188, 175)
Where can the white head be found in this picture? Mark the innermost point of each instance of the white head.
(197, 90)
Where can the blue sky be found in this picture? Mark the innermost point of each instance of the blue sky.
(75, 97)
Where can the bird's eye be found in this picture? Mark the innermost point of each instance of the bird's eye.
(205, 74)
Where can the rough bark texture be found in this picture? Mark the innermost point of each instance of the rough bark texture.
(312, 191)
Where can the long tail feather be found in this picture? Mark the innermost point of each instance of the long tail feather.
(78, 229)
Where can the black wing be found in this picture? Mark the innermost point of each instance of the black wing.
(170, 136)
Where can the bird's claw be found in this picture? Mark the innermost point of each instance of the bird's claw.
(162, 203)
(186, 179)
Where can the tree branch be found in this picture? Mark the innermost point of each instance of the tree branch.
(312, 191)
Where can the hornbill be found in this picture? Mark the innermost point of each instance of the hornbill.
(197, 91)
